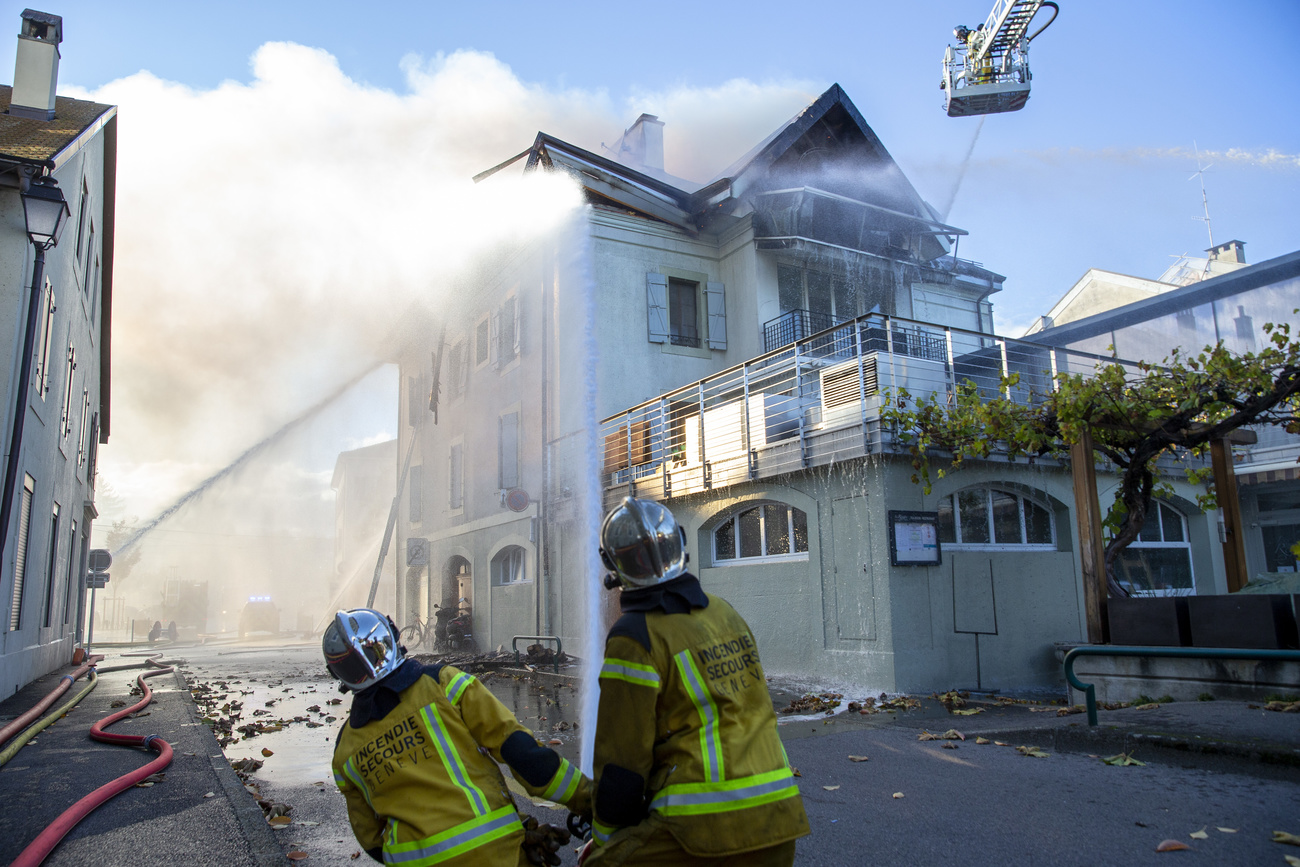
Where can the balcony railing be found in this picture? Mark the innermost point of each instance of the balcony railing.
(813, 401)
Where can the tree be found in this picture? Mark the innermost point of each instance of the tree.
(1135, 417)
(123, 562)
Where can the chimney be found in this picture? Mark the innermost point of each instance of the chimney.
(36, 68)
(644, 142)
(1229, 251)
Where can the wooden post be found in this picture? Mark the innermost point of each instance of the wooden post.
(1225, 489)
(1087, 513)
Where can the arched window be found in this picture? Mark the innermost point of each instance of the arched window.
(1159, 561)
(991, 517)
(764, 531)
(508, 566)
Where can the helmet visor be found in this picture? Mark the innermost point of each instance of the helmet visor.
(350, 666)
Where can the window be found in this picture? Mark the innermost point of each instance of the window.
(43, 343)
(94, 289)
(1159, 561)
(482, 342)
(52, 568)
(769, 531)
(508, 566)
(416, 482)
(71, 582)
(988, 516)
(82, 211)
(20, 553)
(683, 313)
(507, 342)
(674, 307)
(90, 251)
(867, 289)
(456, 477)
(65, 421)
(508, 451)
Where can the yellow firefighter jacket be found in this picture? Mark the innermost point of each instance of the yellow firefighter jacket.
(416, 784)
(686, 727)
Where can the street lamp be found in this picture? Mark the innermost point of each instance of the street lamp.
(45, 212)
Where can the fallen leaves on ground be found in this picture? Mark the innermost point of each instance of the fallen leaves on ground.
(1001, 744)
(949, 735)
(952, 699)
(1171, 846)
(295, 855)
(1284, 837)
(898, 796)
(859, 758)
(209, 794)
(1149, 706)
(825, 702)
(1123, 760)
(1032, 752)
(970, 711)
(150, 780)
(794, 772)
(830, 788)
(246, 766)
(1199, 835)
(979, 740)
(1283, 706)
(267, 753)
(1066, 711)
(1041, 709)
(1226, 830)
(1292, 860)
(279, 821)
(949, 746)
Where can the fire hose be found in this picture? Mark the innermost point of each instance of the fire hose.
(21, 741)
(39, 708)
(40, 848)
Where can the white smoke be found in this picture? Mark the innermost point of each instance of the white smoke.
(1267, 159)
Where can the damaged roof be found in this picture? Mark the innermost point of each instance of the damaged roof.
(829, 137)
(44, 142)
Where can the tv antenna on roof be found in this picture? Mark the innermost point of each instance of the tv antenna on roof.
(1205, 203)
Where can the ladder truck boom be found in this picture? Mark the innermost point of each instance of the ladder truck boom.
(987, 71)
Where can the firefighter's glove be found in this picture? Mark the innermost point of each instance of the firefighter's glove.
(542, 842)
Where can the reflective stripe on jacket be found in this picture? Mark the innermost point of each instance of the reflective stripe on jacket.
(417, 785)
(692, 717)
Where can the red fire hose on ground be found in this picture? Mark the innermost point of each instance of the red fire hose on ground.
(40, 848)
(39, 708)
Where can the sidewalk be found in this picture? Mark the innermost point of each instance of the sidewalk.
(172, 822)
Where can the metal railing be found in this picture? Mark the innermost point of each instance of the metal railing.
(813, 401)
(1090, 692)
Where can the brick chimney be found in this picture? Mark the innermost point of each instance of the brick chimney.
(1229, 251)
(36, 68)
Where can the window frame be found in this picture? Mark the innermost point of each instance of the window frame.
(1161, 507)
(510, 551)
(692, 288)
(988, 491)
(732, 516)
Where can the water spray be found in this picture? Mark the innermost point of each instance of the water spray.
(252, 452)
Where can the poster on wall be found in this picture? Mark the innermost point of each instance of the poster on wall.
(914, 539)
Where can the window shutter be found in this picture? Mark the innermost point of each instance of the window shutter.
(516, 309)
(494, 341)
(657, 307)
(715, 303)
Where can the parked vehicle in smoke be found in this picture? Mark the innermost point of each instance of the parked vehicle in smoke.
(260, 614)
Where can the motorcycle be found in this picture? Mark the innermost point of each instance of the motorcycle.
(460, 629)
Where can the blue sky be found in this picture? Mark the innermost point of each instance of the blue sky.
(1093, 173)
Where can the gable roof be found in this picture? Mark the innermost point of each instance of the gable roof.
(829, 133)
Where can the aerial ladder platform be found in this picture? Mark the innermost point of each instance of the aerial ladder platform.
(987, 71)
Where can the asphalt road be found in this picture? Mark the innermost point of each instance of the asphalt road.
(973, 805)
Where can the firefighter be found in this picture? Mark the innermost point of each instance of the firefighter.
(412, 759)
(688, 765)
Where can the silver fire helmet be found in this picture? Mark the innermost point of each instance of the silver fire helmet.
(361, 647)
(642, 544)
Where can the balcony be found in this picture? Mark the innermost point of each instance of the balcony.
(811, 402)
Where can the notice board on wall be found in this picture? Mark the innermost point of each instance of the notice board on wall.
(914, 539)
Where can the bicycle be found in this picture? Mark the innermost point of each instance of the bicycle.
(413, 636)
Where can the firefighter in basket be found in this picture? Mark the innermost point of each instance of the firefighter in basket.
(413, 759)
(689, 768)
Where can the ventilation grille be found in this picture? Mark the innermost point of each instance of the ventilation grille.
(840, 385)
